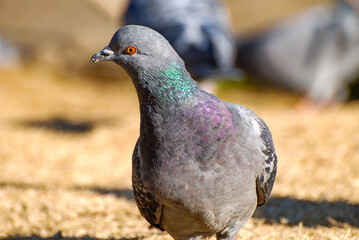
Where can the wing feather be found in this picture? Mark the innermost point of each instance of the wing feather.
(146, 202)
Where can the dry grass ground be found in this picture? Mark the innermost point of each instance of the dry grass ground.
(65, 168)
(66, 144)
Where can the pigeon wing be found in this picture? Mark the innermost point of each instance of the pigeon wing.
(149, 207)
(265, 180)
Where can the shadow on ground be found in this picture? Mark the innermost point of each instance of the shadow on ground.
(59, 124)
(59, 236)
(310, 213)
(63, 125)
(278, 210)
(289, 211)
(120, 193)
(64, 238)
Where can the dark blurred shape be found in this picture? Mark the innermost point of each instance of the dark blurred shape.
(354, 89)
(198, 30)
(311, 213)
(60, 125)
(315, 53)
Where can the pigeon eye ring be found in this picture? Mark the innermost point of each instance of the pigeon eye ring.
(131, 50)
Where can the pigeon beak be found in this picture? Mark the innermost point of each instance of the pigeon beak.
(105, 54)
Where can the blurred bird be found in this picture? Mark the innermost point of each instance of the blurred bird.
(201, 166)
(199, 30)
(315, 53)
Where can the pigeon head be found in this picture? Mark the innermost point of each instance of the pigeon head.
(138, 49)
(149, 59)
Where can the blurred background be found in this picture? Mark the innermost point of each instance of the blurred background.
(68, 127)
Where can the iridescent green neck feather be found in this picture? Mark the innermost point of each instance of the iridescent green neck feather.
(172, 82)
(177, 82)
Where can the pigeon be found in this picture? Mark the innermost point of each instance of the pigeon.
(201, 165)
(199, 31)
(315, 54)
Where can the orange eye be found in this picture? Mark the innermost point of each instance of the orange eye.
(131, 50)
